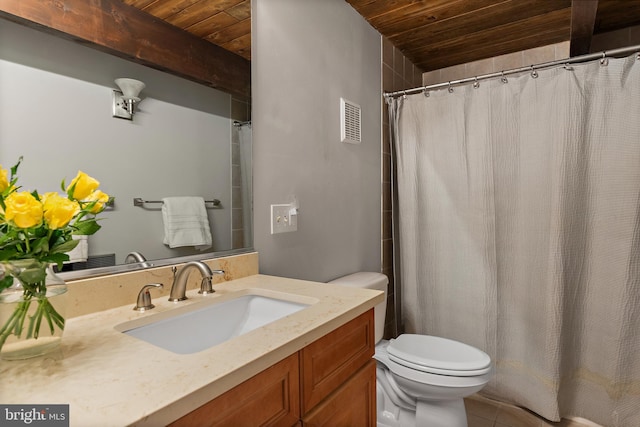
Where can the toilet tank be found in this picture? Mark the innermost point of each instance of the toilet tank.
(369, 280)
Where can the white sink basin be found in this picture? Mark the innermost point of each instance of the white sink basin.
(204, 324)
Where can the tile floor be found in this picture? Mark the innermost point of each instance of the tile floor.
(483, 412)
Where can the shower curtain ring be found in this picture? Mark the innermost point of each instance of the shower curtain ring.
(503, 79)
(404, 94)
(476, 83)
(450, 88)
(534, 73)
(604, 61)
(426, 92)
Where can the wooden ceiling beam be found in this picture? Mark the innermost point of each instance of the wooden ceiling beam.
(583, 19)
(124, 31)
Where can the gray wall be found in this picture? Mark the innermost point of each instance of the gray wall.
(305, 56)
(55, 110)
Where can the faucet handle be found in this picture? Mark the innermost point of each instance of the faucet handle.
(144, 297)
(205, 285)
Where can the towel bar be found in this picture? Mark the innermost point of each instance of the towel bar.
(137, 201)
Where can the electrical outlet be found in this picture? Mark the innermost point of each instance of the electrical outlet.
(282, 219)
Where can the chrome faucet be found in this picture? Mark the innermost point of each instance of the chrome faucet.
(136, 257)
(179, 286)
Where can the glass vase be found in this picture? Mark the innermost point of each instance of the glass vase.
(32, 310)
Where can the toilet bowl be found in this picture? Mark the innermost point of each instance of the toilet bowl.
(421, 379)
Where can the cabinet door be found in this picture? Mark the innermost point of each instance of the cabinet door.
(329, 361)
(352, 405)
(270, 398)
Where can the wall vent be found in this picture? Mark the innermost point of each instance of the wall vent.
(350, 126)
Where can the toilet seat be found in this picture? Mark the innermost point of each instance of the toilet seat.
(438, 355)
(422, 376)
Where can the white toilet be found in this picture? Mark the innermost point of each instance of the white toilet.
(421, 379)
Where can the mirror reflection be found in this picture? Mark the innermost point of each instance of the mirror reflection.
(185, 140)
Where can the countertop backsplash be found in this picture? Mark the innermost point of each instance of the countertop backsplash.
(96, 294)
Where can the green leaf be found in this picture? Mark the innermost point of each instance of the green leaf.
(64, 247)
(86, 228)
(57, 259)
(40, 245)
(6, 282)
(32, 275)
(9, 239)
(70, 191)
(14, 168)
(8, 254)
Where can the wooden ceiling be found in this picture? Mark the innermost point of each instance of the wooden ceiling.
(226, 23)
(433, 34)
(436, 34)
(209, 41)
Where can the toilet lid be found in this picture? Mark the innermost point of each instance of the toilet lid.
(438, 355)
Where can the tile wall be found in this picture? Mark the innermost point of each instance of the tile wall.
(397, 73)
(240, 111)
(498, 63)
(601, 42)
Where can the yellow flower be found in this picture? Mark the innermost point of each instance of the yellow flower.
(58, 210)
(4, 180)
(24, 210)
(81, 186)
(100, 198)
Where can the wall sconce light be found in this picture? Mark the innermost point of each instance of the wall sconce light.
(125, 99)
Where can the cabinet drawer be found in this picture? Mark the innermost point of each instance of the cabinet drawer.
(331, 360)
(360, 411)
(270, 398)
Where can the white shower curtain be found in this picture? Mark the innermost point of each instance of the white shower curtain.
(519, 232)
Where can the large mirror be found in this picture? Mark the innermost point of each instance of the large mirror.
(185, 140)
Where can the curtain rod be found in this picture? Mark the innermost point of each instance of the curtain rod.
(563, 62)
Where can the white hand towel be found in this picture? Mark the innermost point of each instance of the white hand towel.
(186, 222)
(81, 252)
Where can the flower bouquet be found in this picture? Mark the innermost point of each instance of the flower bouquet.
(36, 232)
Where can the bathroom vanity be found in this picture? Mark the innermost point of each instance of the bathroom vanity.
(312, 367)
(329, 382)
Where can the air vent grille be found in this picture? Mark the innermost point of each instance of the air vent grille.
(350, 122)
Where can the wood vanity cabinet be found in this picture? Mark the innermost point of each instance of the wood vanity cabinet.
(338, 376)
(330, 382)
(352, 405)
(269, 398)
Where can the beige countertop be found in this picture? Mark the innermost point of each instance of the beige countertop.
(111, 379)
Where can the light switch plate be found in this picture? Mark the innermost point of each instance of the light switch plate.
(282, 220)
